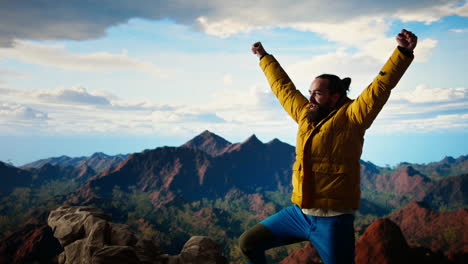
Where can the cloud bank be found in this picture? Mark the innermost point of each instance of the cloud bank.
(52, 20)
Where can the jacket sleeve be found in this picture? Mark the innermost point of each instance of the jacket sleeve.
(365, 108)
(290, 98)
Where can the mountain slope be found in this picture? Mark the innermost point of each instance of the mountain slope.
(435, 230)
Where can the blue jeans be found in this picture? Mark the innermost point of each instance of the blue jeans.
(333, 237)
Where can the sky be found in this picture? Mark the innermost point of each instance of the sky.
(121, 76)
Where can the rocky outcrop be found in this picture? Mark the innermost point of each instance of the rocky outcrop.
(88, 236)
(439, 231)
(383, 243)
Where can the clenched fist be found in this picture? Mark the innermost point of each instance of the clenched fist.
(258, 49)
(406, 39)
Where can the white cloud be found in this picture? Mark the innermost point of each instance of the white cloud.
(450, 122)
(223, 28)
(234, 112)
(58, 56)
(424, 110)
(352, 32)
(73, 95)
(12, 111)
(424, 94)
(52, 20)
(340, 22)
(459, 30)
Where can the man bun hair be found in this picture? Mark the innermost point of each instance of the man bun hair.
(346, 82)
(337, 85)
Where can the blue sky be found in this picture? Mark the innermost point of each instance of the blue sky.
(124, 76)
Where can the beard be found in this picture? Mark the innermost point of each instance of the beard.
(320, 112)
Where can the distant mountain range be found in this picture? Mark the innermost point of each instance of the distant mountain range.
(98, 161)
(227, 186)
(209, 166)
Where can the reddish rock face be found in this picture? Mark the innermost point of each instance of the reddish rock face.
(382, 243)
(405, 181)
(438, 231)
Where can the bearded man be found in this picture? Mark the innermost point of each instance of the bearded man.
(326, 173)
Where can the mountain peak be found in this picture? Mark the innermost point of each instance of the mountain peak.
(274, 141)
(99, 155)
(208, 142)
(252, 139)
(250, 142)
(448, 159)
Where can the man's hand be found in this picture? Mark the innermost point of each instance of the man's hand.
(258, 49)
(406, 39)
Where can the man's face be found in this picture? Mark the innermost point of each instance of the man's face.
(321, 102)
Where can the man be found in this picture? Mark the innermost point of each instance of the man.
(326, 172)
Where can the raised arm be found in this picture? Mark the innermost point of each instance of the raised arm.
(366, 107)
(290, 98)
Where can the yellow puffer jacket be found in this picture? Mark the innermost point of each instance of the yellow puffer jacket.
(326, 173)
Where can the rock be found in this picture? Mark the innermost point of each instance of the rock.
(201, 249)
(68, 223)
(382, 243)
(305, 255)
(89, 238)
(438, 231)
(115, 255)
(122, 235)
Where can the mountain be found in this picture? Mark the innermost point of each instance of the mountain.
(191, 174)
(439, 231)
(450, 193)
(209, 143)
(50, 172)
(32, 242)
(215, 188)
(447, 167)
(98, 161)
(393, 188)
(403, 182)
(12, 177)
(163, 173)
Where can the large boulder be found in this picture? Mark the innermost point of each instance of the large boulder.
(201, 249)
(88, 237)
(382, 243)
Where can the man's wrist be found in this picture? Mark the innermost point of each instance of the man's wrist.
(261, 57)
(405, 51)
